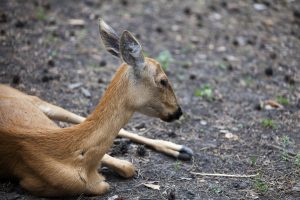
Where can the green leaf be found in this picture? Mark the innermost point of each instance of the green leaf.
(164, 58)
(205, 91)
(282, 100)
(268, 123)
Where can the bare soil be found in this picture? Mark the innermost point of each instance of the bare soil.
(243, 52)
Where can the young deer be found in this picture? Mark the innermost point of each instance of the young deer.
(52, 161)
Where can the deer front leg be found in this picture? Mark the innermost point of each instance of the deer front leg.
(175, 150)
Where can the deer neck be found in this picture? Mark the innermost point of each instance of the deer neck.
(111, 114)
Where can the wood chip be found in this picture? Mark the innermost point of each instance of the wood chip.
(152, 186)
(76, 22)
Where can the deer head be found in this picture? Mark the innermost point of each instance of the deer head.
(150, 91)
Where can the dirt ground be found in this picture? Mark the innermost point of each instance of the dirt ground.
(228, 58)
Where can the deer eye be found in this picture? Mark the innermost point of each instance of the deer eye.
(164, 82)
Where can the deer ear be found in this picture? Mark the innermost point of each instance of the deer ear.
(131, 51)
(109, 38)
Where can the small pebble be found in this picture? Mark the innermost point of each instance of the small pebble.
(240, 185)
(194, 39)
(16, 79)
(172, 195)
(203, 123)
(289, 79)
(20, 24)
(200, 24)
(47, 6)
(190, 194)
(3, 18)
(259, 6)
(46, 78)
(138, 36)
(186, 65)
(172, 134)
(52, 22)
(85, 92)
(71, 33)
(100, 80)
(235, 42)
(199, 17)
(187, 11)
(273, 55)
(215, 16)
(212, 7)
(102, 63)
(296, 13)
(124, 2)
(193, 76)
(74, 85)
(226, 37)
(251, 41)
(269, 71)
(298, 103)
(229, 67)
(239, 41)
(141, 126)
(2, 32)
(224, 4)
(159, 29)
(258, 107)
(89, 3)
(36, 3)
(51, 62)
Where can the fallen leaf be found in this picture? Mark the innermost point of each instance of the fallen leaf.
(252, 195)
(184, 178)
(268, 22)
(270, 104)
(76, 22)
(113, 197)
(152, 186)
(229, 135)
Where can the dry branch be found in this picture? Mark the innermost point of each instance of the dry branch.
(225, 175)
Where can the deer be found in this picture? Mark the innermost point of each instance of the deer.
(51, 161)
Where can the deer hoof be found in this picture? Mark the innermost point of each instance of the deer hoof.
(128, 170)
(185, 153)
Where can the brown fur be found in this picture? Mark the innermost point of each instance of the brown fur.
(53, 161)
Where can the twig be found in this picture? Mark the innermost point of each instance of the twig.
(226, 175)
(281, 149)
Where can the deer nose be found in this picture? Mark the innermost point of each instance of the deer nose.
(176, 115)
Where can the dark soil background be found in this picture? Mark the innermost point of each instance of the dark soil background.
(228, 58)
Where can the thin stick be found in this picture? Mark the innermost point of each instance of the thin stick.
(225, 175)
(281, 149)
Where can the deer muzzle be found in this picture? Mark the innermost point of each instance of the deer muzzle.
(174, 116)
